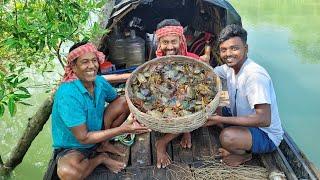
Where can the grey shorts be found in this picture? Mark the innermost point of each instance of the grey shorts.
(87, 152)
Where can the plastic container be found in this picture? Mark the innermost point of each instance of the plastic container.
(135, 50)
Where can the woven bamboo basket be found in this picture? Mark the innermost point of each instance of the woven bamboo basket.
(173, 125)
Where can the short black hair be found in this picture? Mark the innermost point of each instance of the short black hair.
(232, 30)
(168, 22)
(77, 45)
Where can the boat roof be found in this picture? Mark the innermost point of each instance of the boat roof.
(153, 11)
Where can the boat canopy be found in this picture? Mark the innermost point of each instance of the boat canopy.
(203, 15)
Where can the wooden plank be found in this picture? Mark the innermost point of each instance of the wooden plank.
(102, 173)
(144, 173)
(268, 162)
(123, 148)
(141, 150)
(113, 176)
(154, 137)
(201, 148)
(181, 155)
(296, 159)
(99, 173)
(135, 173)
(284, 165)
(214, 133)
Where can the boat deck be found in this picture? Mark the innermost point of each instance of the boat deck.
(141, 157)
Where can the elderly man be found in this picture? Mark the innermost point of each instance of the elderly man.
(253, 122)
(79, 113)
(171, 41)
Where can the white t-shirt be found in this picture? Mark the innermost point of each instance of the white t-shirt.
(252, 85)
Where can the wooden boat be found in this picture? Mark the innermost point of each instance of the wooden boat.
(141, 156)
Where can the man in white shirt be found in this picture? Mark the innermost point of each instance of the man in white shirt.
(252, 120)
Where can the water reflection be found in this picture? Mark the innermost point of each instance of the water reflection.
(301, 17)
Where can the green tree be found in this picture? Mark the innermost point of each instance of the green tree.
(32, 34)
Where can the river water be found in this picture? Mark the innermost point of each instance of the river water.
(283, 37)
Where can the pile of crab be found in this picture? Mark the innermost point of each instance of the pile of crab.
(173, 89)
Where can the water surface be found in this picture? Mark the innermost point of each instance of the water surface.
(283, 37)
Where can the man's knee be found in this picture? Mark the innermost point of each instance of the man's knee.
(66, 172)
(69, 166)
(227, 137)
(120, 103)
(123, 102)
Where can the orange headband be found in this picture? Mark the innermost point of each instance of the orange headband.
(69, 75)
(174, 30)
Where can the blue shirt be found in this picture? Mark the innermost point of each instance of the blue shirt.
(74, 105)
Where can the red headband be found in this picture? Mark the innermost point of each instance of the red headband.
(69, 75)
(172, 30)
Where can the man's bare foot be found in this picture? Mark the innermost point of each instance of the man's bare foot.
(223, 152)
(113, 165)
(186, 140)
(108, 147)
(236, 160)
(163, 159)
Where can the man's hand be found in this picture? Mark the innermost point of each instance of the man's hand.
(205, 58)
(218, 111)
(133, 126)
(212, 120)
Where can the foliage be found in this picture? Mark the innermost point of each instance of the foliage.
(33, 32)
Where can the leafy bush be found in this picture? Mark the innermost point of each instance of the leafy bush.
(32, 33)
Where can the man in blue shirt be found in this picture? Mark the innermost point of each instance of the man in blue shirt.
(79, 113)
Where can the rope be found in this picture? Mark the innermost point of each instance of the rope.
(213, 169)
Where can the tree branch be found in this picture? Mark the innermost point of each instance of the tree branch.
(16, 12)
(59, 48)
(58, 54)
(1, 162)
(34, 126)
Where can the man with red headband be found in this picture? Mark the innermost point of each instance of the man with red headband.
(171, 41)
(79, 113)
